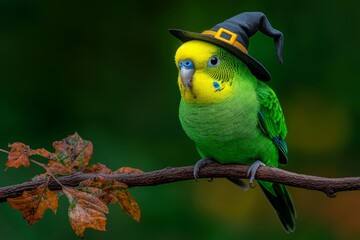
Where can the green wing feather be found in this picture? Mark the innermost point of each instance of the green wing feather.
(271, 119)
(272, 123)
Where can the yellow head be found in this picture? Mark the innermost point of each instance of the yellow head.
(207, 72)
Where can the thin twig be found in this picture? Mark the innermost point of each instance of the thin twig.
(40, 164)
(4, 151)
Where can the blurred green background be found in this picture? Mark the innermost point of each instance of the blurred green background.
(106, 70)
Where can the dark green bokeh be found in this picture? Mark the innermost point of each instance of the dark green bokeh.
(106, 70)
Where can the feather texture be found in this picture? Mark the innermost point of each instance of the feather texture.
(271, 119)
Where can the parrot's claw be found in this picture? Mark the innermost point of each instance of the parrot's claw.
(252, 171)
(200, 164)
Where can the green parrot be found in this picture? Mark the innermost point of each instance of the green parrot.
(231, 115)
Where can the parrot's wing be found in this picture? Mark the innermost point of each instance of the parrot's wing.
(271, 119)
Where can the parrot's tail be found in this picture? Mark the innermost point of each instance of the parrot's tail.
(281, 201)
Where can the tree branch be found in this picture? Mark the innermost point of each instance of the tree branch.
(168, 175)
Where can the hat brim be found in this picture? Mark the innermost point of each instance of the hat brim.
(256, 68)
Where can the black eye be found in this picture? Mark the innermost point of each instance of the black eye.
(213, 61)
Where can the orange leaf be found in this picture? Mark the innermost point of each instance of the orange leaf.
(114, 192)
(18, 155)
(73, 151)
(127, 203)
(40, 177)
(85, 211)
(59, 168)
(34, 203)
(44, 153)
(128, 170)
(98, 168)
(105, 185)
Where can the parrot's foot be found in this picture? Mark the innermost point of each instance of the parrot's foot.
(252, 171)
(200, 164)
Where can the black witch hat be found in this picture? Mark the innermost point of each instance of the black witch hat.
(233, 35)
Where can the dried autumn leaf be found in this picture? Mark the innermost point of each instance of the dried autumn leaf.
(18, 155)
(105, 185)
(97, 168)
(59, 168)
(40, 177)
(72, 153)
(127, 203)
(128, 170)
(44, 153)
(74, 149)
(85, 211)
(113, 192)
(34, 203)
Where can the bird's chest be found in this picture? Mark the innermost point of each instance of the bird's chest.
(220, 123)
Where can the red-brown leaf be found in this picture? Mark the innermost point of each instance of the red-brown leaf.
(128, 170)
(127, 203)
(106, 187)
(97, 168)
(34, 203)
(113, 192)
(18, 155)
(73, 151)
(44, 153)
(38, 177)
(85, 211)
(59, 168)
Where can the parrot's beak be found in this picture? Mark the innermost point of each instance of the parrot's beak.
(186, 75)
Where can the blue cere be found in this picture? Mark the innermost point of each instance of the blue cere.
(216, 86)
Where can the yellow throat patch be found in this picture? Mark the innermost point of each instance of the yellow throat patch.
(210, 84)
